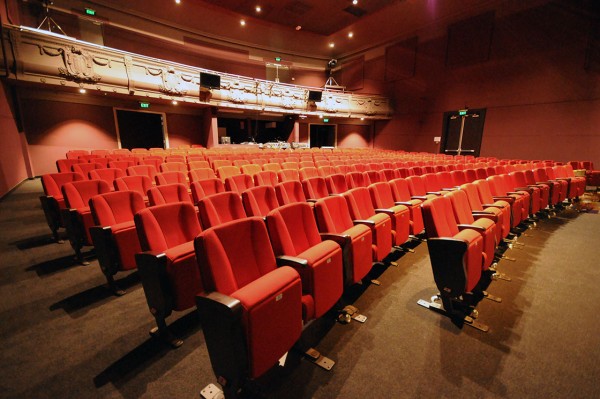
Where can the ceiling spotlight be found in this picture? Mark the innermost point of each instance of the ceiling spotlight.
(177, 1)
(242, 22)
(355, 2)
(258, 9)
(331, 45)
(82, 90)
(298, 27)
(350, 35)
(362, 119)
(174, 102)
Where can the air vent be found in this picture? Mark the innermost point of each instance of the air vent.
(356, 11)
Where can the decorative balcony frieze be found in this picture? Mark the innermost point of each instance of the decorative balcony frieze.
(50, 59)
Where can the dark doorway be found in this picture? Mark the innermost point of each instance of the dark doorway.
(140, 129)
(322, 135)
(462, 132)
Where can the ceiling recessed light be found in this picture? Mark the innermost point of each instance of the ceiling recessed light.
(332, 44)
(298, 27)
(174, 102)
(258, 9)
(355, 2)
(82, 90)
(242, 22)
(350, 35)
(177, 1)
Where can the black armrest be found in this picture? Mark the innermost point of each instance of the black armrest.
(386, 211)
(505, 198)
(106, 250)
(295, 262)
(370, 223)
(152, 267)
(409, 204)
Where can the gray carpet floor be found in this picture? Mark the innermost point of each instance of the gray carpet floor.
(64, 336)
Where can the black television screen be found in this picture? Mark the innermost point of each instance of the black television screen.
(209, 80)
(314, 95)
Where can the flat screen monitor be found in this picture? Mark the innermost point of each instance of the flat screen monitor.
(210, 81)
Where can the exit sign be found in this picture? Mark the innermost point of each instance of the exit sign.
(277, 59)
(89, 11)
(144, 105)
(462, 112)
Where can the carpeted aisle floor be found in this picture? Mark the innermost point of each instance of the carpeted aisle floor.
(64, 336)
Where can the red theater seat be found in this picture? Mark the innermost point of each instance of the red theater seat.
(168, 267)
(265, 178)
(219, 208)
(383, 200)
(260, 200)
(77, 215)
(289, 192)
(168, 193)
(401, 195)
(53, 201)
(205, 187)
(140, 184)
(108, 175)
(238, 183)
(296, 242)
(252, 311)
(336, 183)
(315, 188)
(170, 178)
(114, 235)
(334, 221)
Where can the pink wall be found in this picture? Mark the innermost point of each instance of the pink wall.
(541, 102)
(12, 162)
(53, 128)
(185, 130)
(353, 136)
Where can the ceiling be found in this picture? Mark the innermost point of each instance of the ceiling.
(324, 17)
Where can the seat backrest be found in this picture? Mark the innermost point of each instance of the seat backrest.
(250, 169)
(116, 207)
(206, 187)
(438, 218)
(332, 214)
(470, 175)
(174, 167)
(201, 174)
(259, 200)
(168, 193)
(175, 159)
(372, 176)
(461, 208)
(336, 183)
(170, 178)
(238, 183)
(121, 164)
(84, 168)
(400, 190)
(381, 195)
(77, 194)
(388, 174)
(74, 154)
(165, 226)
(326, 170)
(140, 184)
(198, 164)
(497, 186)
(431, 182)
(64, 165)
(288, 175)
(472, 193)
(108, 175)
(416, 185)
(356, 179)
(275, 167)
(292, 228)
(265, 178)
(224, 172)
(405, 172)
(307, 173)
(289, 192)
(315, 187)
(307, 163)
(359, 203)
(220, 208)
(446, 180)
(458, 177)
(290, 165)
(142, 170)
(234, 254)
(53, 182)
(484, 191)
(217, 163)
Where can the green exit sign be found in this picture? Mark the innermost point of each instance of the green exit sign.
(325, 120)
(277, 59)
(89, 11)
(462, 112)
(144, 105)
